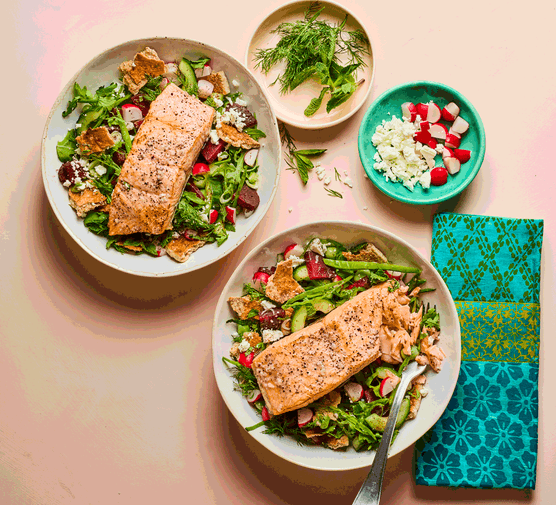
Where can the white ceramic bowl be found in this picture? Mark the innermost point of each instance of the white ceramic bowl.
(103, 69)
(289, 107)
(441, 385)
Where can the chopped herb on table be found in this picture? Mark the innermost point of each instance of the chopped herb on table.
(311, 49)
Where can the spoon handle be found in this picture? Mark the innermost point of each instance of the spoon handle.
(370, 491)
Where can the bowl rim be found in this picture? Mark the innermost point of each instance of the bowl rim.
(386, 189)
(367, 458)
(53, 203)
(320, 126)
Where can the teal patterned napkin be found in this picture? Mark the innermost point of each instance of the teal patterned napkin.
(487, 437)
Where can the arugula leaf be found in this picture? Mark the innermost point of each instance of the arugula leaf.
(200, 62)
(97, 222)
(255, 133)
(65, 149)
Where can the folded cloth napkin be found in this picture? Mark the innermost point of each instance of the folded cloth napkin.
(487, 437)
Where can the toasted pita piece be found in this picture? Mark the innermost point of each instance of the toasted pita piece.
(368, 253)
(232, 135)
(104, 208)
(86, 200)
(310, 363)
(95, 140)
(146, 63)
(281, 285)
(243, 305)
(134, 248)
(219, 81)
(181, 248)
(332, 399)
(313, 433)
(234, 350)
(252, 337)
(337, 443)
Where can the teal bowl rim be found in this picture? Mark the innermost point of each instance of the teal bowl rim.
(372, 173)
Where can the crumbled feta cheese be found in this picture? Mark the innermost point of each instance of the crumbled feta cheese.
(296, 260)
(290, 210)
(235, 82)
(318, 247)
(219, 103)
(235, 333)
(100, 170)
(78, 125)
(365, 208)
(175, 234)
(243, 346)
(67, 184)
(267, 305)
(424, 392)
(222, 156)
(214, 138)
(241, 101)
(129, 125)
(348, 182)
(327, 180)
(270, 336)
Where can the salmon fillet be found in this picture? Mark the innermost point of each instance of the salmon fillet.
(308, 364)
(159, 163)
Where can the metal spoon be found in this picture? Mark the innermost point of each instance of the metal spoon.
(370, 491)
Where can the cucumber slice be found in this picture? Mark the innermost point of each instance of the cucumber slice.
(301, 273)
(189, 77)
(279, 258)
(323, 305)
(298, 319)
(331, 252)
(357, 443)
(378, 423)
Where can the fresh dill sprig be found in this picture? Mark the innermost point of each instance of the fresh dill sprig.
(333, 193)
(312, 48)
(337, 174)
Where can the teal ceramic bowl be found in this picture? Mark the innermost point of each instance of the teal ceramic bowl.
(388, 105)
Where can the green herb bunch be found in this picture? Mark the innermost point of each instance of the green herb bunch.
(311, 48)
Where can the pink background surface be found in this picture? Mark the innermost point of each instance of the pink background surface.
(106, 387)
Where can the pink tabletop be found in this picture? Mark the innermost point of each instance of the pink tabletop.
(107, 393)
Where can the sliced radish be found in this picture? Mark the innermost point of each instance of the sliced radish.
(439, 176)
(231, 214)
(254, 395)
(447, 153)
(433, 113)
(164, 83)
(265, 415)
(203, 72)
(337, 278)
(213, 216)
(453, 139)
(463, 155)
(460, 125)
(246, 360)
(205, 88)
(131, 113)
(409, 111)
(293, 250)
(200, 168)
(450, 112)
(189, 234)
(261, 277)
(354, 391)
(422, 136)
(422, 110)
(393, 275)
(432, 143)
(386, 373)
(424, 126)
(452, 165)
(386, 387)
(171, 69)
(438, 131)
(251, 157)
(304, 416)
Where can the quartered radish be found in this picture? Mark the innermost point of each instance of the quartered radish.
(205, 88)
(261, 277)
(200, 168)
(452, 165)
(422, 110)
(386, 387)
(131, 113)
(460, 125)
(432, 143)
(439, 176)
(337, 278)
(304, 416)
(438, 131)
(433, 113)
(230, 214)
(293, 250)
(422, 136)
(254, 395)
(354, 391)
(447, 153)
(246, 360)
(393, 275)
(453, 139)
(450, 112)
(213, 216)
(424, 126)
(463, 155)
(409, 111)
(164, 83)
(251, 157)
(265, 415)
(203, 72)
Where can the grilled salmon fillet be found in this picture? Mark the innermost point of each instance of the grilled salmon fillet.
(159, 163)
(306, 365)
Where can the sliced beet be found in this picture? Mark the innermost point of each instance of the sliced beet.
(248, 118)
(211, 151)
(194, 189)
(267, 270)
(69, 171)
(361, 283)
(118, 158)
(269, 319)
(316, 267)
(248, 198)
